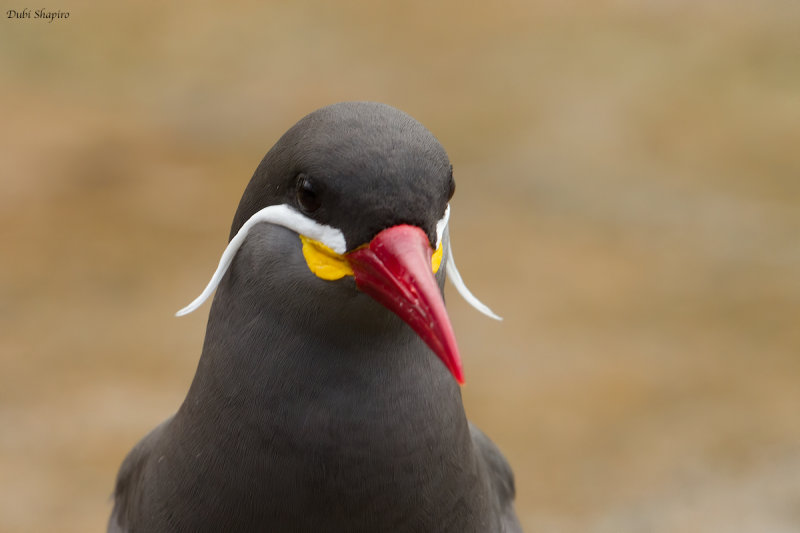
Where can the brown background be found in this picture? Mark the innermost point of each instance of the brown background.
(628, 198)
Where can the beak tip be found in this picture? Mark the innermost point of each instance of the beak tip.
(454, 365)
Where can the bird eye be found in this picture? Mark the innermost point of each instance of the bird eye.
(307, 196)
(452, 190)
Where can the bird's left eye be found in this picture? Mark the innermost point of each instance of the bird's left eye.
(307, 196)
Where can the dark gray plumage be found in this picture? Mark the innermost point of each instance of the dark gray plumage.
(315, 408)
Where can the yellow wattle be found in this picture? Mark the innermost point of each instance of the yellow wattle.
(323, 261)
(328, 265)
(436, 259)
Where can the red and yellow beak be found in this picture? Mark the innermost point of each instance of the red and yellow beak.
(397, 269)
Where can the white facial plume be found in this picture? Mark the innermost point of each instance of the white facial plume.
(288, 217)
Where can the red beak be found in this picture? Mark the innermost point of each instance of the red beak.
(395, 269)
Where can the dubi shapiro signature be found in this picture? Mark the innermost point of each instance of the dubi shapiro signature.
(42, 14)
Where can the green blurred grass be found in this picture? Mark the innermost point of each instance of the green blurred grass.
(628, 198)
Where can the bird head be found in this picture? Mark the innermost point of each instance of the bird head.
(365, 188)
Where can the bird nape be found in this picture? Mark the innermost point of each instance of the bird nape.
(327, 394)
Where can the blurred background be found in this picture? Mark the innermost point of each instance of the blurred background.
(628, 199)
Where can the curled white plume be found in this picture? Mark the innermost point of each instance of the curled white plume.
(454, 277)
(282, 215)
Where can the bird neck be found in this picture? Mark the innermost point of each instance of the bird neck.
(358, 424)
(355, 379)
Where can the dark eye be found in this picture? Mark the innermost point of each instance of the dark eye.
(307, 196)
(452, 190)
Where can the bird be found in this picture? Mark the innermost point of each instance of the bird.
(327, 396)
